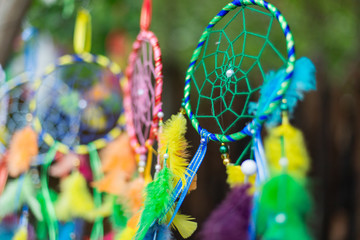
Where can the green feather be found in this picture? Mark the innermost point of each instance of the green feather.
(119, 217)
(18, 192)
(157, 197)
(282, 210)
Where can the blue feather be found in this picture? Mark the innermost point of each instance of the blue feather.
(158, 232)
(302, 81)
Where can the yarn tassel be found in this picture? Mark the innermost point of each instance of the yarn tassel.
(231, 219)
(22, 151)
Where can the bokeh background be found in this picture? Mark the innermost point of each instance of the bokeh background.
(326, 31)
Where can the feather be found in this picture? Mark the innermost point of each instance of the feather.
(236, 177)
(127, 234)
(294, 146)
(16, 193)
(113, 182)
(66, 230)
(22, 151)
(157, 197)
(21, 234)
(231, 219)
(74, 200)
(64, 165)
(284, 204)
(185, 225)
(3, 174)
(172, 141)
(134, 194)
(118, 155)
(302, 81)
(119, 216)
(158, 232)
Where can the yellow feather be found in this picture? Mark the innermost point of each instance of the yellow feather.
(236, 177)
(173, 142)
(127, 234)
(21, 234)
(294, 146)
(75, 199)
(185, 225)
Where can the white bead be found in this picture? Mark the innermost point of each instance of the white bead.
(157, 167)
(82, 104)
(142, 158)
(229, 73)
(283, 162)
(166, 156)
(142, 164)
(202, 140)
(248, 167)
(160, 114)
(140, 92)
(280, 218)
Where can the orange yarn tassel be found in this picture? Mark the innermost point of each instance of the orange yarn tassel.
(23, 149)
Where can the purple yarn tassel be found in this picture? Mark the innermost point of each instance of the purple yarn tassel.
(232, 218)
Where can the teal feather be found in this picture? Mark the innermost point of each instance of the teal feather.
(158, 195)
(302, 81)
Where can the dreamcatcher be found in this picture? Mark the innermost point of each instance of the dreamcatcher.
(142, 100)
(76, 111)
(230, 91)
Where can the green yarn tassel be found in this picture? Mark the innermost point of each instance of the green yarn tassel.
(158, 195)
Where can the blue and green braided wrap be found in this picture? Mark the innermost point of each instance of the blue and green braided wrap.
(289, 68)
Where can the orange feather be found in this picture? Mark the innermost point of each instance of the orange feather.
(113, 182)
(23, 149)
(3, 174)
(119, 155)
(135, 194)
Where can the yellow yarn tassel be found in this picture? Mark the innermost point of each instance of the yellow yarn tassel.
(21, 234)
(289, 139)
(75, 199)
(173, 142)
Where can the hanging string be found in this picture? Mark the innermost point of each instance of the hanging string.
(98, 229)
(50, 216)
(82, 32)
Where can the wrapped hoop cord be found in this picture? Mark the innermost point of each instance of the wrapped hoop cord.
(289, 68)
(144, 36)
(100, 60)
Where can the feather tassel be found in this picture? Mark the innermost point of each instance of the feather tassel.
(22, 151)
(173, 142)
(294, 150)
(185, 225)
(284, 204)
(75, 200)
(302, 81)
(16, 193)
(158, 232)
(236, 177)
(21, 234)
(158, 195)
(231, 219)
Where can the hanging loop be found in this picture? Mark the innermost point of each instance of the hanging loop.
(145, 18)
(82, 32)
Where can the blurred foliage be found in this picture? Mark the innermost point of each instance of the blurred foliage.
(323, 29)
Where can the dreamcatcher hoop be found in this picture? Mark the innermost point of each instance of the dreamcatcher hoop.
(65, 60)
(256, 122)
(145, 36)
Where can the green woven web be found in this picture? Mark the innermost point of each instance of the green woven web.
(239, 51)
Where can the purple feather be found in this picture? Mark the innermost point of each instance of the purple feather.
(231, 219)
